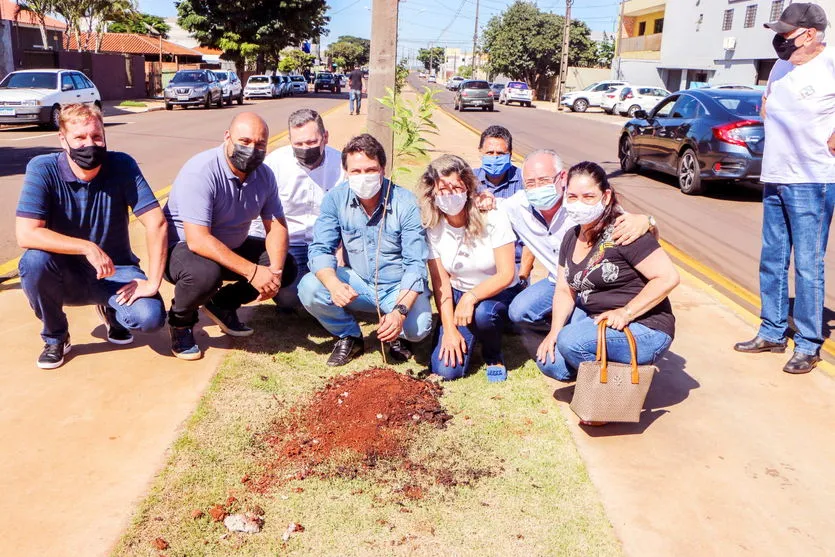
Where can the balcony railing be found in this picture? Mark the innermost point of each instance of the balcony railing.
(644, 42)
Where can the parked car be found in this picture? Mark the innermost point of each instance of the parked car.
(325, 81)
(36, 96)
(454, 82)
(516, 92)
(286, 85)
(580, 101)
(279, 89)
(193, 88)
(698, 136)
(633, 98)
(422, 75)
(473, 94)
(610, 98)
(497, 89)
(230, 84)
(259, 86)
(298, 83)
(432, 79)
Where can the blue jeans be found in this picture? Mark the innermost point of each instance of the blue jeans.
(794, 216)
(489, 320)
(52, 281)
(354, 96)
(533, 305)
(339, 322)
(288, 296)
(577, 343)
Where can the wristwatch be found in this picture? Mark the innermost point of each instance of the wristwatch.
(652, 223)
(403, 310)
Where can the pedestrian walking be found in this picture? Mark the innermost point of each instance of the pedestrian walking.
(356, 88)
(798, 174)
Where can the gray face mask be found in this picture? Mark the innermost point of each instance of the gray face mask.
(246, 159)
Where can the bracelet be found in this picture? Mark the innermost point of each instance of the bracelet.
(253, 275)
(628, 311)
(476, 298)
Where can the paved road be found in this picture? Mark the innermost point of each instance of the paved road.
(160, 141)
(720, 229)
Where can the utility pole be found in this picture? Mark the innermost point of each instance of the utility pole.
(618, 39)
(564, 57)
(381, 71)
(475, 38)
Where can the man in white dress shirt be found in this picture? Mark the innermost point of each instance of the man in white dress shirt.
(304, 170)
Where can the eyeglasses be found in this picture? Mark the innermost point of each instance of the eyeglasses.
(543, 181)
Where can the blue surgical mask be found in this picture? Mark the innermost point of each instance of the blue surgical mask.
(495, 165)
(543, 197)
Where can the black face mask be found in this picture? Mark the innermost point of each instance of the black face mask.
(784, 47)
(246, 159)
(308, 156)
(89, 156)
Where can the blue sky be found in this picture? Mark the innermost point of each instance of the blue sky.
(442, 22)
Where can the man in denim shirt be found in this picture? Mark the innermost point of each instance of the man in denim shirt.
(385, 269)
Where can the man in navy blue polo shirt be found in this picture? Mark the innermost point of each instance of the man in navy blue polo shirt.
(72, 220)
(214, 199)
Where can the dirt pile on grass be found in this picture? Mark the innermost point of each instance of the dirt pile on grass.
(373, 414)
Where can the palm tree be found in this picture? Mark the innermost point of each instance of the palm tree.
(39, 9)
(106, 12)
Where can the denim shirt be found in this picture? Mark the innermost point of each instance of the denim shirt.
(403, 249)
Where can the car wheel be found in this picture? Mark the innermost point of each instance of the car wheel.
(97, 104)
(528, 104)
(229, 100)
(689, 174)
(55, 116)
(626, 155)
(208, 102)
(607, 110)
(490, 108)
(169, 106)
(580, 105)
(220, 101)
(632, 110)
(241, 99)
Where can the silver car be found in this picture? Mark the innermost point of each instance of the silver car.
(233, 89)
(298, 83)
(259, 86)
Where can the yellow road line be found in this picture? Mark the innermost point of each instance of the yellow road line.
(10, 267)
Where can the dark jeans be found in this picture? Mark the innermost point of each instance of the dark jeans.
(52, 281)
(489, 320)
(288, 297)
(196, 280)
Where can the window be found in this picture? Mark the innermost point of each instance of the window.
(66, 82)
(728, 20)
(658, 25)
(750, 15)
(686, 108)
(642, 28)
(776, 10)
(78, 81)
(663, 110)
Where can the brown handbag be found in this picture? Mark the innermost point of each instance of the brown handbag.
(610, 391)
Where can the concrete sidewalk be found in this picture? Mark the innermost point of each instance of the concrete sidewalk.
(82, 443)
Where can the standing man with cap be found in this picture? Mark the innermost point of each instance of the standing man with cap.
(798, 173)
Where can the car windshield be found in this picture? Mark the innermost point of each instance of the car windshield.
(189, 77)
(517, 85)
(259, 79)
(498, 86)
(30, 80)
(475, 85)
(326, 75)
(747, 106)
(223, 76)
(297, 78)
(592, 86)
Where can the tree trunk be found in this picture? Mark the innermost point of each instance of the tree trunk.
(42, 27)
(260, 65)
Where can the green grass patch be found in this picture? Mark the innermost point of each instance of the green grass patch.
(521, 487)
(135, 104)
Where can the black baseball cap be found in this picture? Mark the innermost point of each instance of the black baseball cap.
(801, 14)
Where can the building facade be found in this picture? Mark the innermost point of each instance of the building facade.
(638, 47)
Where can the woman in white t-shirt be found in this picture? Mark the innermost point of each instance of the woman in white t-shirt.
(473, 269)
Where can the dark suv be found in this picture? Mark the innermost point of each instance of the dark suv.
(194, 88)
(326, 80)
(474, 94)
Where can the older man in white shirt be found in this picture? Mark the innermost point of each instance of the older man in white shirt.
(304, 170)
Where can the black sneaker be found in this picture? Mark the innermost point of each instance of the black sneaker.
(53, 354)
(400, 350)
(345, 350)
(227, 320)
(182, 343)
(116, 333)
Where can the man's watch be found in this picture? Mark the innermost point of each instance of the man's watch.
(652, 223)
(400, 308)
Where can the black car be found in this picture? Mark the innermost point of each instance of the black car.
(697, 135)
(194, 88)
(326, 80)
(473, 94)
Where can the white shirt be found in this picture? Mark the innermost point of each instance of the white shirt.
(301, 191)
(469, 262)
(543, 240)
(800, 117)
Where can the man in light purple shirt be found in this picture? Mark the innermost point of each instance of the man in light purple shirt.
(215, 198)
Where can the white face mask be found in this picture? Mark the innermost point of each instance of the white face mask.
(365, 186)
(451, 204)
(583, 214)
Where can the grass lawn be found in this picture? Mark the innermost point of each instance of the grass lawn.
(137, 104)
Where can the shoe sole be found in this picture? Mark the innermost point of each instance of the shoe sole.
(801, 372)
(103, 319)
(58, 364)
(775, 350)
(187, 357)
(224, 328)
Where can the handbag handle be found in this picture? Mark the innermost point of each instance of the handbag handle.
(601, 353)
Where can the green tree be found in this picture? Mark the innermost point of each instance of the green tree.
(349, 51)
(295, 60)
(525, 43)
(254, 29)
(465, 71)
(606, 51)
(139, 24)
(431, 57)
